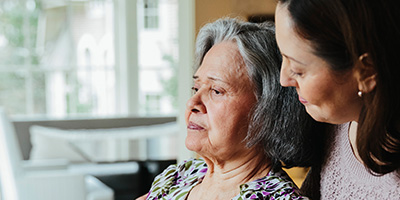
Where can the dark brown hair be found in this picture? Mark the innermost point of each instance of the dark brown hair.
(340, 31)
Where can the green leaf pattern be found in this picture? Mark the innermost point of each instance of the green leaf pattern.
(175, 182)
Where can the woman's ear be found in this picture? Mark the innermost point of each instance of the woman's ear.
(366, 74)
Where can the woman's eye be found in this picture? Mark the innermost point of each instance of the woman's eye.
(194, 89)
(295, 73)
(216, 91)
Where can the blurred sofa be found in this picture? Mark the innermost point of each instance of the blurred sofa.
(76, 143)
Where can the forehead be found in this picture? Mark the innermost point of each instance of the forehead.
(289, 41)
(285, 28)
(223, 60)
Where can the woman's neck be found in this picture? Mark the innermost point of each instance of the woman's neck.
(241, 170)
(224, 178)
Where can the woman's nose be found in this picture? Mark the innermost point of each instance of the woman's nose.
(195, 104)
(285, 79)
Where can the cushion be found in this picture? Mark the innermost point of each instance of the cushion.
(98, 145)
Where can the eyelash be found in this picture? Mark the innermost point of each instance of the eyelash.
(216, 91)
(194, 89)
(292, 73)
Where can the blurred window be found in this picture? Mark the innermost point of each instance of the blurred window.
(151, 14)
(58, 57)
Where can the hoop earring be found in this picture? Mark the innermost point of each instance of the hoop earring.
(359, 93)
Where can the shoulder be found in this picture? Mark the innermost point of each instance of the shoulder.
(184, 169)
(192, 167)
(276, 185)
(178, 178)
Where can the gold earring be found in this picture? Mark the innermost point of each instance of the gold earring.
(359, 93)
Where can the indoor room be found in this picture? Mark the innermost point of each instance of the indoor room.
(93, 92)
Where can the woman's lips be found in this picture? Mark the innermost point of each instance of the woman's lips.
(193, 126)
(302, 100)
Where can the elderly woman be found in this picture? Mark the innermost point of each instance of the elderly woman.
(239, 120)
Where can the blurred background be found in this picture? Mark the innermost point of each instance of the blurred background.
(62, 58)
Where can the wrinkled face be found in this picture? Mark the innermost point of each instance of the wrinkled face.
(217, 113)
(327, 97)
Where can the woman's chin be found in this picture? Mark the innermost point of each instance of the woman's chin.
(316, 114)
(192, 145)
(320, 116)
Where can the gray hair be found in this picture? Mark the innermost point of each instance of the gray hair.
(278, 122)
(256, 45)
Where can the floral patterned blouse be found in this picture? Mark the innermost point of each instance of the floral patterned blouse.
(176, 181)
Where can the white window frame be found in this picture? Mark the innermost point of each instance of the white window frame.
(127, 65)
(187, 32)
(126, 60)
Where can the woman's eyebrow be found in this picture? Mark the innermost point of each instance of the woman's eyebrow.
(291, 58)
(210, 78)
(216, 79)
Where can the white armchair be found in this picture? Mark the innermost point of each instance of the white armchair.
(41, 183)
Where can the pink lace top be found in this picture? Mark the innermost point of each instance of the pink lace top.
(344, 177)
